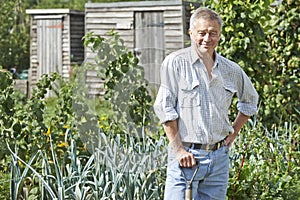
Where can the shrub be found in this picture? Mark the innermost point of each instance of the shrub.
(265, 164)
(125, 86)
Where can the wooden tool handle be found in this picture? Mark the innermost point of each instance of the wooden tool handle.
(188, 194)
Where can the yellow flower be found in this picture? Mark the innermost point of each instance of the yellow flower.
(101, 126)
(63, 144)
(103, 118)
(48, 132)
(51, 161)
(66, 126)
(20, 163)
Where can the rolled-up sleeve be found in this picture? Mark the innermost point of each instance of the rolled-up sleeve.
(166, 100)
(164, 106)
(247, 96)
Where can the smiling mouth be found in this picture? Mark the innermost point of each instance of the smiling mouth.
(205, 46)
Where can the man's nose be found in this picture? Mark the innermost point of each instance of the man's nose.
(206, 37)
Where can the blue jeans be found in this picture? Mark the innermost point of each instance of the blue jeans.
(210, 181)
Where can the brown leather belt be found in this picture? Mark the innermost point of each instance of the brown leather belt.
(207, 147)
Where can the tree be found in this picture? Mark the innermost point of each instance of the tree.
(14, 35)
(71, 4)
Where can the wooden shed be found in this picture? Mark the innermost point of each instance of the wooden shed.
(151, 29)
(56, 42)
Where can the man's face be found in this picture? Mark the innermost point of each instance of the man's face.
(205, 35)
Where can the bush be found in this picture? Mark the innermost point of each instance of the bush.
(265, 164)
(125, 86)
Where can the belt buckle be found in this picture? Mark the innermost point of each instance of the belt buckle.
(207, 147)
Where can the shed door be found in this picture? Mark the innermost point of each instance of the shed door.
(49, 46)
(149, 43)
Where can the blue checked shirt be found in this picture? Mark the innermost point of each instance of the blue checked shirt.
(201, 105)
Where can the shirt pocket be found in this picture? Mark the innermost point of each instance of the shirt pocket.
(189, 96)
(229, 91)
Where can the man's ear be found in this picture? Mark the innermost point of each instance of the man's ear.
(190, 32)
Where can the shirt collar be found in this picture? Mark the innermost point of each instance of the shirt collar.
(216, 60)
(195, 57)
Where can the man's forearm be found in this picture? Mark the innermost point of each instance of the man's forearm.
(185, 158)
(171, 129)
(239, 122)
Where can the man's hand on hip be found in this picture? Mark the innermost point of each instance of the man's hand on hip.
(230, 139)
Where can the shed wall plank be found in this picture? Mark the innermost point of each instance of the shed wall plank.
(101, 19)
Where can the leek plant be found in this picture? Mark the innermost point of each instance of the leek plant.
(132, 168)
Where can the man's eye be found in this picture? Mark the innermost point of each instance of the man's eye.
(213, 34)
(202, 33)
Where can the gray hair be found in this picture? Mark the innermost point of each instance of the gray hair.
(205, 13)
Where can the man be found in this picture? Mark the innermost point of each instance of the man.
(197, 86)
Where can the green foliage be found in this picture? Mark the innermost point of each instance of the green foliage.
(116, 170)
(52, 4)
(14, 28)
(27, 125)
(265, 164)
(4, 185)
(265, 42)
(22, 123)
(125, 85)
(14, 34)
(71, 4)
(48, 142)
(10, 124)
(281, 91)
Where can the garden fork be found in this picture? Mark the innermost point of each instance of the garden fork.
(188, 190)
